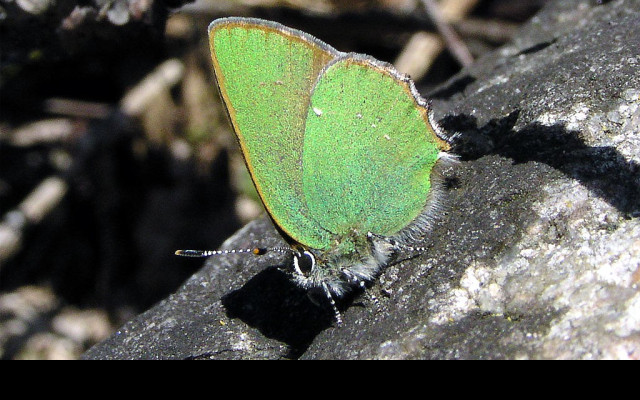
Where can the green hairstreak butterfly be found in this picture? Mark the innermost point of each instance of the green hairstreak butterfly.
(340, 146)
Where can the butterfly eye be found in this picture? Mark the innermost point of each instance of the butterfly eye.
(303, 263)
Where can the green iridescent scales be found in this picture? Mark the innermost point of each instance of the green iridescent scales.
(334, 142)
(367, 157)
(266, 77)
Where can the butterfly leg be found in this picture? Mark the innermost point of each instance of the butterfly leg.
(327, 292)
(390, 244)
(353, 279)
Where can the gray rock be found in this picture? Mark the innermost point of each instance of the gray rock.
(537, 257)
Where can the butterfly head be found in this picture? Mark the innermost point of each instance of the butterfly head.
(351, 261)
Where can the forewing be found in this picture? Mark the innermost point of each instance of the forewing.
(265, 73)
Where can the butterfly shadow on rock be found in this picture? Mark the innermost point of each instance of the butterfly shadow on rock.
(273, 304)
(602, 170)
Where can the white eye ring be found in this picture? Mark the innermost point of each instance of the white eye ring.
(296, 265)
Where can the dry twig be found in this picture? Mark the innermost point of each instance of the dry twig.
(454, 43)
(48, 194)
(423, 48)
(44, 198)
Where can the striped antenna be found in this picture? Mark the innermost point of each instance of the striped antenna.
(256, 250)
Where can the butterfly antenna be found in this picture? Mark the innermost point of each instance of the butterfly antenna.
(256, 250)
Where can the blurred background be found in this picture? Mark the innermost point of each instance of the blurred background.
(115, 150)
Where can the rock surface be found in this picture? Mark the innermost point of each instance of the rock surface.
(537, 257)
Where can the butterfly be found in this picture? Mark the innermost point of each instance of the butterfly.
(341, 147)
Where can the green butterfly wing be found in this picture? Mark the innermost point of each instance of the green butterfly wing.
(369, 149)
(265, 73)
(333, 141)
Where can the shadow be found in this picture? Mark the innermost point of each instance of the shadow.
(273, 304)
(536, 48)
(603, 170)
(453, 87)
